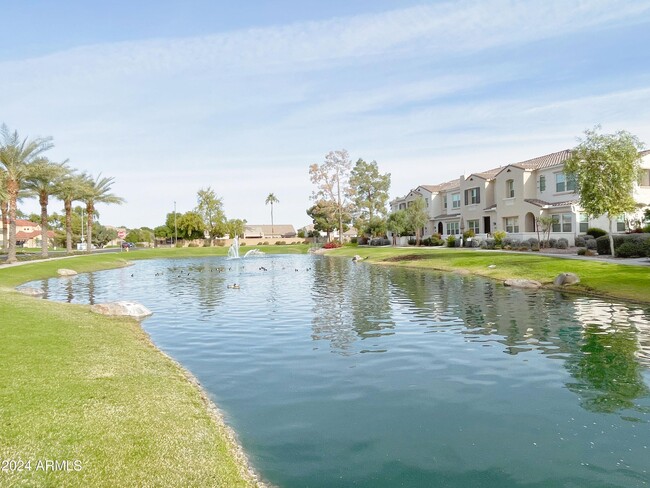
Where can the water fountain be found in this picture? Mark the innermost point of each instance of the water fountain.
(233, 251)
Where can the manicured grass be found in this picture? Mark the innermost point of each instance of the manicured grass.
(599, 278)
(75, 386)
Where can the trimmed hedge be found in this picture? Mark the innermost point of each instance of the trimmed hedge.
(596, 232)
(637, 245)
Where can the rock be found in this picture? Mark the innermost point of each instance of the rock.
(32, 292)
(357, 258)
(492, 266)
(518, 283)
(566, 279)
(66, 272)
(122, 308)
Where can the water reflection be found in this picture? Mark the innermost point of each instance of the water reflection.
(350, 303)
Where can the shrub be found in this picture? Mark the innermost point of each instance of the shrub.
(380, 241)
(331, 245)
(265, 243)
(646, 247)
(281, 243)
(562, 243)
(193, 244)
(630, 249)
(533, 242)
(646, 229)
(207, 243)
(596, 232)
(476, 243)
(412, 241)
(179, 244)
(499, 235)
(591, 244)
(552, 242)
(468, 233)
(581, 241)
(354, 240)
(242, 244)
(451, 241)
(487, 244)
(221, 243)
(638, 248)
(582, 252)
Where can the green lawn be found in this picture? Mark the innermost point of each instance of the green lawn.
(599, 278)
(75, 386)
(79, 387)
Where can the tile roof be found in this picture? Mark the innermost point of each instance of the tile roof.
(644, 153)
(542, 203)
(489, 174)
(446, 216)
(546, 161)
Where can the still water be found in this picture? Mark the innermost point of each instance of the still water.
(337, 374)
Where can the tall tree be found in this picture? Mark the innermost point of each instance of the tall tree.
(606, 167)
(4, 207)
(369, 191)
(271, 199)
(15, 155)
(236, 227)
(42, 179)
(191, 225)
(97, 191)
(69, 189)
(332, 183)
(210, 208)
(397, 224)
(417, 217)
(325, 216)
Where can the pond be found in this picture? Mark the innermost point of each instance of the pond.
(338, 374)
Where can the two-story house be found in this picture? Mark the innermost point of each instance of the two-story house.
(514, 197)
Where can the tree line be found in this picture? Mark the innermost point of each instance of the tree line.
(357, 195)
(25, 172)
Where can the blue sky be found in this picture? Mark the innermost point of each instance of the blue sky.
(169, 97)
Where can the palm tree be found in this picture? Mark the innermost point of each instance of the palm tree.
(272, 199)
(97, 191)
(42, 179)
(4, 207)
(15, 156)
(70, 188)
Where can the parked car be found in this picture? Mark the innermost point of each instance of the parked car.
(127, 245)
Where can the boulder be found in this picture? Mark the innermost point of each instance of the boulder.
(518, 283)
(357, 258)
(32, 292)
(566, 279)
(66, 272)
(122, 308)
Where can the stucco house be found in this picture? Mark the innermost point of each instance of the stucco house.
(277, 231)
(28, 234)
(513, 197)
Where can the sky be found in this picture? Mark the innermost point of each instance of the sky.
(169, 97)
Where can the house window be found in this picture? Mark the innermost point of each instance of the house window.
(473, 196)
(620, 223)
(584, 223)
(512, 224)
(453, 227)
(473, 226)
(561, 222)
(510, 188)
(564, 182)
(644, 177)
(542, 183)
(455, 200)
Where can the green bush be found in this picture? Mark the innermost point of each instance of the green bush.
(499, 235)
(638, 247)
(562, 243)
(582, 252)
(596, 232)
(581, 241)
(451, 241)
(630, 249)
(280, 243)
(468, 233)
(192, 244)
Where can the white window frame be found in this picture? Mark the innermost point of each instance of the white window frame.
(455, 200)
(542, 183)
(510, 188)
(453, 228)
(511, 224)
(562, 222)
(474, 225)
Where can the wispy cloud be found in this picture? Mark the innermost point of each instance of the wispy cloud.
(440, 83)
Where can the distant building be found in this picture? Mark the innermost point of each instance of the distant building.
(277, 231)
(28, 234)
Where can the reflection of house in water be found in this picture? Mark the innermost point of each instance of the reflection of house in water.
(351, 303)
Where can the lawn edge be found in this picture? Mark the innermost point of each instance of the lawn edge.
(244, 466)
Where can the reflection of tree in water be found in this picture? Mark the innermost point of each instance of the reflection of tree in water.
(351, 302)
(608, 373)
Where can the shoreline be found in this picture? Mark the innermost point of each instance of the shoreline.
(246, 471)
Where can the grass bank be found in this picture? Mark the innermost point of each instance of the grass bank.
(596, 278)
(87, 400)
